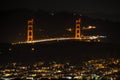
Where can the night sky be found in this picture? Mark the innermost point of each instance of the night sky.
(104, 9)
(87, 6)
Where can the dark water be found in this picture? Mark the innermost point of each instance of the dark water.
(62, 51)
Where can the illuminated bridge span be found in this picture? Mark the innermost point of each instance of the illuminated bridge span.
(84, 38)
(44, 40)
(51, 39)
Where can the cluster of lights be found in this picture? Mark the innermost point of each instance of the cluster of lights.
(69, 29)
(89, 27)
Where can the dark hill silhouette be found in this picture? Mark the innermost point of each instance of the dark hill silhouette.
(62, 51)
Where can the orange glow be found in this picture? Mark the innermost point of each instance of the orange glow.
(77, 30)
(30, 30)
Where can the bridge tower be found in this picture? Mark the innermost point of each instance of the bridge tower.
(78, 29)
(30, 31)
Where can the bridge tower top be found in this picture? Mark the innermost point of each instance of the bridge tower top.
(30, 30)
(78, 29)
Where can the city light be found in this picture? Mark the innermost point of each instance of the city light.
(89, 28)
(96, 69)
(69, 29)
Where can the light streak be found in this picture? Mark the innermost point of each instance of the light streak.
(43, 40)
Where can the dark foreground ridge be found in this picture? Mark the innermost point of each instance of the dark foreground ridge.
(61, 51)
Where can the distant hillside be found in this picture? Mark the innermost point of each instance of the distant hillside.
(50, 24)
(71, 51)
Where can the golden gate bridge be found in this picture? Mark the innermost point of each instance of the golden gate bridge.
(77, 35)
